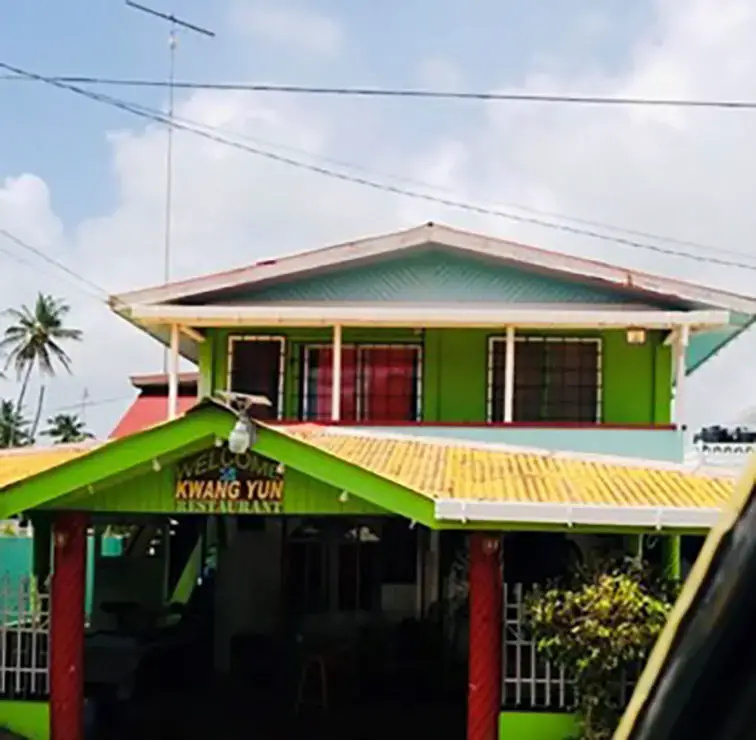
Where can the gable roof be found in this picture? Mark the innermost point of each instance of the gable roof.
(431, 233)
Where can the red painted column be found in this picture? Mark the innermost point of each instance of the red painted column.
(484, 693)
(67, 627)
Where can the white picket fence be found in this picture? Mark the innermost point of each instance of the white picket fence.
(24, 639)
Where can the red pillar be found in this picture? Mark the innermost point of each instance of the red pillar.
(67, 627)
(484, 693)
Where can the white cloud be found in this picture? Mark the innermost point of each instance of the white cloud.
(439, 73)
(296, 27)
(687, 173)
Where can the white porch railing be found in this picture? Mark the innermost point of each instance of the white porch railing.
(24, 639)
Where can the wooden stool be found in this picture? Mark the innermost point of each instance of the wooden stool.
(319, 664)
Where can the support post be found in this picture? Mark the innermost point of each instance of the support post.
(67, 627)
(484, 687)
(509, 375)
(681, 348)
(336, 375)
(173, 372)
(672, 557)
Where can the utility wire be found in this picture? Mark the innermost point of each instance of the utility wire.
(378, 92)
(428, 186)
(142, 112)
(100, 293)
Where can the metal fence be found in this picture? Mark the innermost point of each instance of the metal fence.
(529, 681)
(24, 638)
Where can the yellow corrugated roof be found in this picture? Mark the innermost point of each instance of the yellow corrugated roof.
(442, 470)
(15, 465)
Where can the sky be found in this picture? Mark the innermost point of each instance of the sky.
(84, 183)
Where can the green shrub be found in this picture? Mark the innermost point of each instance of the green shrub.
(601, 628)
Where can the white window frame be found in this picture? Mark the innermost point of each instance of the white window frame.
(305, 375)
(496, 340)
(234, 338)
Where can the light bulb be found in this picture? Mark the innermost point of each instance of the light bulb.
(240, 438)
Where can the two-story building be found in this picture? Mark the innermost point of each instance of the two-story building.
(373, 417)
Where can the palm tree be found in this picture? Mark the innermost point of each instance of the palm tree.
(34, 340)
(14, 429)
(66, 428)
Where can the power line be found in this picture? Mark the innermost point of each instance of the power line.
(377, 92)
(55, 263)
(96, 403)
(419, 183)
(175, 24)
(150, 114)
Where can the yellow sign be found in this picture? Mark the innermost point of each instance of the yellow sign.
(220, 482)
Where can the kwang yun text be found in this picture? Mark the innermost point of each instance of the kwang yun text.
(219, 482)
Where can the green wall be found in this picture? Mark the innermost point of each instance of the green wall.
(31, 719)
(153, 493)
(536, 726)
(637, 379)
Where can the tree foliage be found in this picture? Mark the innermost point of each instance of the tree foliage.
(601, 628)
(14, 427)
(34, 338)
(66, 429)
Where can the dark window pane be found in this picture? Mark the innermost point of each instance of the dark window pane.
(256, 370)
(555, 380)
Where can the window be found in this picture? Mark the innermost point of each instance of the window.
(379, 383)
(255, 366)
(555, 379)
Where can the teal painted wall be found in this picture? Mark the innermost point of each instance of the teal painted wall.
(438, 274)
(637, 385)
(647, 444)
(17, 557)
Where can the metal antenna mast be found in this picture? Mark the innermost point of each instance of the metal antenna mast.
(175, 24)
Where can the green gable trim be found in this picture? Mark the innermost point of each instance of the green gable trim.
(120, 459)
(345, 476)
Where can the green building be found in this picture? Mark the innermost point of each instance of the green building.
(500, 411)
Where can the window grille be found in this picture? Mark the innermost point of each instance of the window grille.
(529, 681)
(256, 366)
(379, 382)
(556, 379)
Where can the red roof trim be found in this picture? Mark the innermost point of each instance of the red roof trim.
(147, 411)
